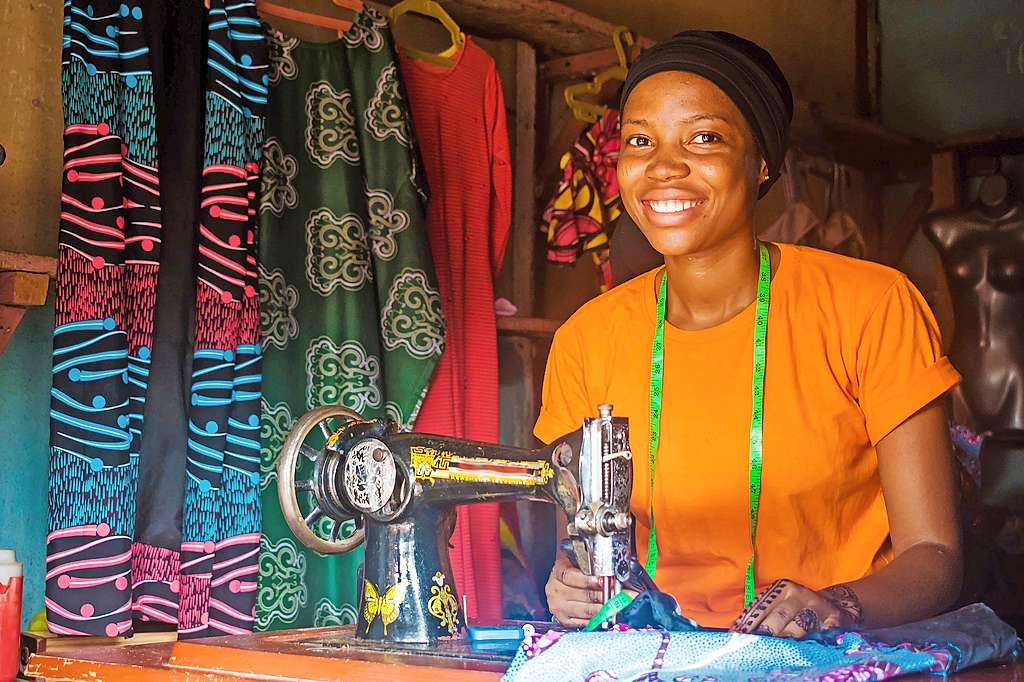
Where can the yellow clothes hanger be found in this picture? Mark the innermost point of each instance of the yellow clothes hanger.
(429, 8)
(592, 112)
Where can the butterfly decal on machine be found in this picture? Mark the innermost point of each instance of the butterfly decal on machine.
(386, 605)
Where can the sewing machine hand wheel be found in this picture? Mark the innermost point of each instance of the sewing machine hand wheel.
(292, 486)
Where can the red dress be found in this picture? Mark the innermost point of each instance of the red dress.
(459, 117)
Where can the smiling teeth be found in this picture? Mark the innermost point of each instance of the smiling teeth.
(671, 206)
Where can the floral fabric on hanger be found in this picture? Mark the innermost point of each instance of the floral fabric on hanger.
(580, 216)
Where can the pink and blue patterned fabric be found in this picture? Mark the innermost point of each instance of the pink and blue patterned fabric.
(126, 217)
(942, 645)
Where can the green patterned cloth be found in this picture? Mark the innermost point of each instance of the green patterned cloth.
(348, 298)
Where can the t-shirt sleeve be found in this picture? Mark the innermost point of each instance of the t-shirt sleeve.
(900, 365)
(564, 396)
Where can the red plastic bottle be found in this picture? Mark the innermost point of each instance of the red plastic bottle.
(10, 614)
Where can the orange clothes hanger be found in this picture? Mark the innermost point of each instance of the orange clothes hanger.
(333, 23)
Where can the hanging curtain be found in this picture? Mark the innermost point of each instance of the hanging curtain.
(349, 302)
(154, 495)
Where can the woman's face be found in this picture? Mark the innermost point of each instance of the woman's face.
(689, 168)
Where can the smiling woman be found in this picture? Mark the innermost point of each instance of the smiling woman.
(788, 400)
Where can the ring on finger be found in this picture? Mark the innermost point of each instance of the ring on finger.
(807, 620)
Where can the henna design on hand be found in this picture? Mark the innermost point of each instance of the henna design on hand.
(807, 620)
(755, 611)
(847, 601)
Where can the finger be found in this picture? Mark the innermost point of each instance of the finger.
(805, 621)
(758, 609)
(573, 623)
(575, 594)
(576, 610)
(832, 619)
(571, 576)
(776, 618)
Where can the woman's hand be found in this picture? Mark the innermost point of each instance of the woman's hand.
(788, 609)
(573, 598)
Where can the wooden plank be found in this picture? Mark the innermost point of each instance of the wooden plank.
(578, 66)
(524, 218)
(9, 260)
(945, 180)
(553, 28)
(854, 141)
(23, 288)
(117, 664)
(1008, 138)
(259, 662)
(528, 326)
(585, 64)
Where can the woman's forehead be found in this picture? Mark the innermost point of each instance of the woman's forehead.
(682, 95)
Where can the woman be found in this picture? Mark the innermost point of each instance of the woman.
(839, 477)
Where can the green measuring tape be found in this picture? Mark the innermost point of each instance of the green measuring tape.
(764, 277)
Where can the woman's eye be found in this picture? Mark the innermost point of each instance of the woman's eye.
(706, 138)
(638, 141)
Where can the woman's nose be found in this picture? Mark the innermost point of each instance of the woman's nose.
(669, 165)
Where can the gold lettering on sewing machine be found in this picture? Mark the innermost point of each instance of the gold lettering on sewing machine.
(430, 464)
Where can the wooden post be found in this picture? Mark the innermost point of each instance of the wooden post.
(868, 74)
(524, 219)
(945, 180)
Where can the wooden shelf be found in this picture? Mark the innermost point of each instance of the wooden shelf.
(26, 262)
(1007, 140)
(551, 27)
(24, 281)
(854, 140)
(528, 326)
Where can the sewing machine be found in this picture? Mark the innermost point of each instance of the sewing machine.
(397, 492)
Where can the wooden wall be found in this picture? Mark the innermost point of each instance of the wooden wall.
(30, 124)
(813, 41)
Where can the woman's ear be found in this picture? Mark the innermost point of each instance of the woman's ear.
(762, 173)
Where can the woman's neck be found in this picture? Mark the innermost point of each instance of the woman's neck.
(708, 288)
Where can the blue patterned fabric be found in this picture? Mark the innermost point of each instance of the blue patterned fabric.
(942, 645)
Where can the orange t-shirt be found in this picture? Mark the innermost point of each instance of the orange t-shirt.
(853, 351)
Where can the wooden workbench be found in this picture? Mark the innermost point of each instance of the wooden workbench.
(306, 654)
(290, 655)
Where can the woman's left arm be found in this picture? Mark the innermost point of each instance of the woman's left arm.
(917, 474)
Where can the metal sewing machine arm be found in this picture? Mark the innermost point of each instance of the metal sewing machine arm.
(362, 480)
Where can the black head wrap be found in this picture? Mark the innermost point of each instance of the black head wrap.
(745, 72)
